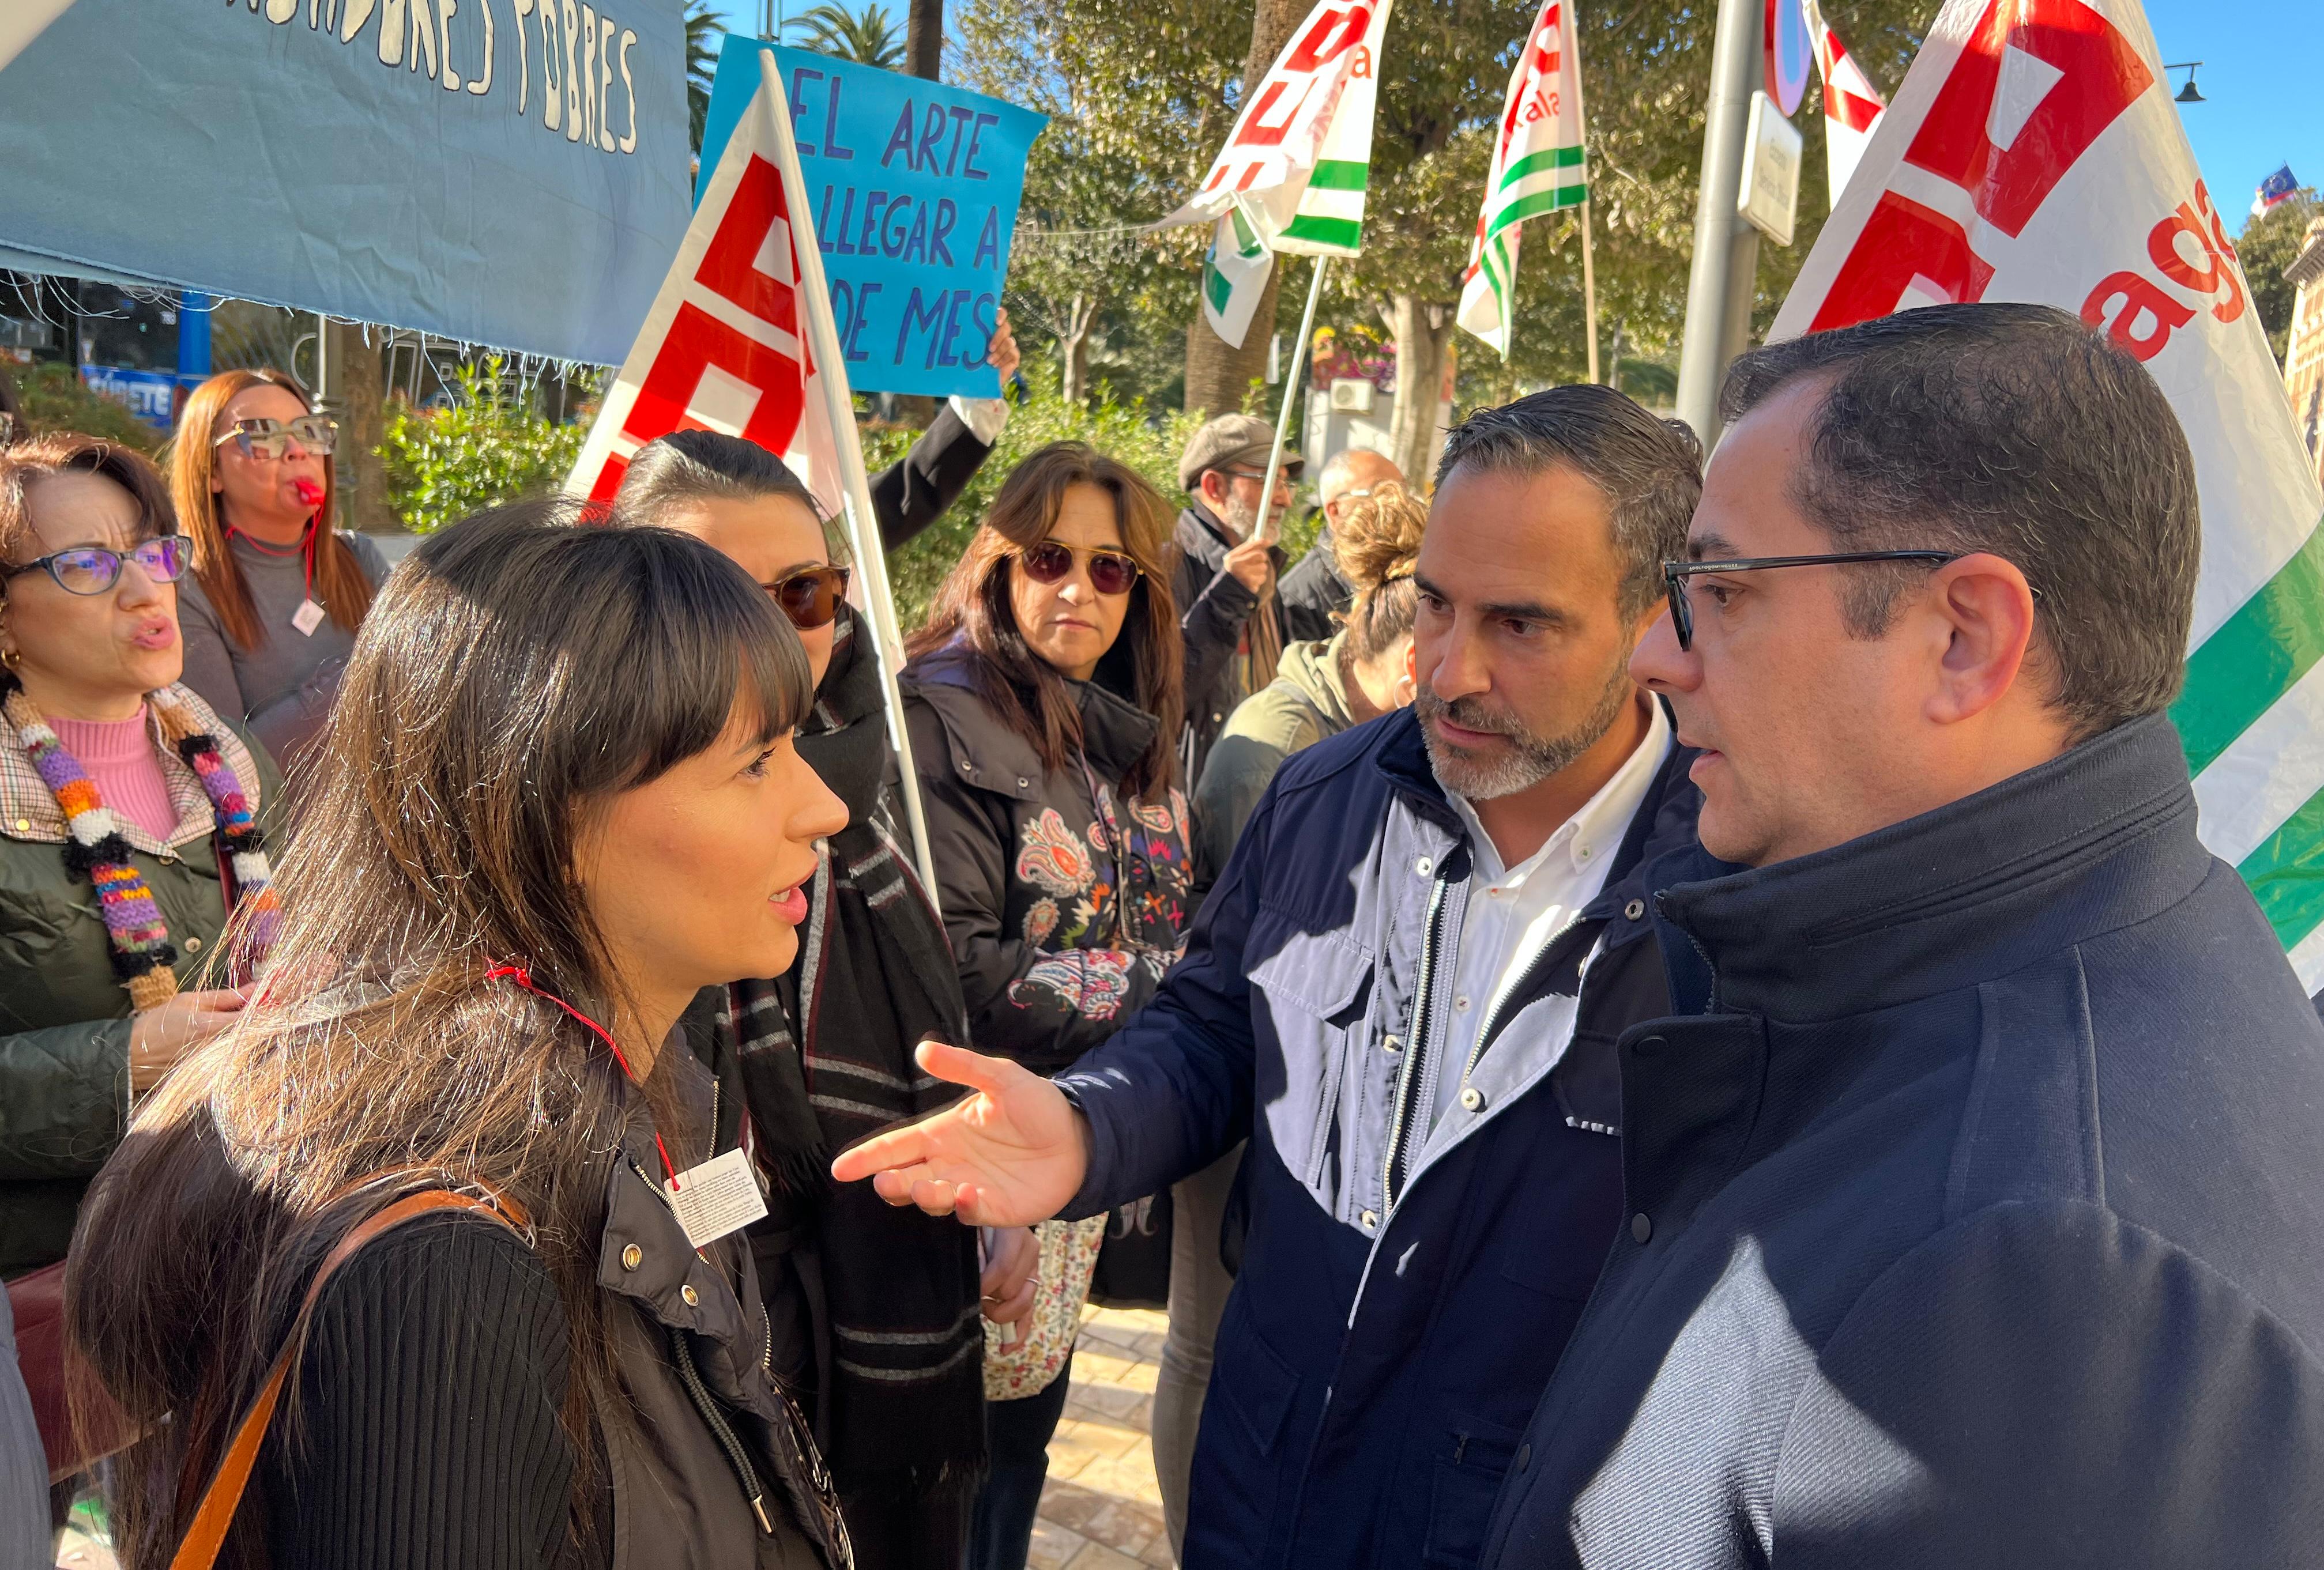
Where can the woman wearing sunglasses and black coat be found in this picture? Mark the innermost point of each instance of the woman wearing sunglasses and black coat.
(1043, 700)
(276, 594)
(886, 1354)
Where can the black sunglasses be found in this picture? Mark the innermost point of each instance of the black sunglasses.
(1676, 573)
(1109, 571)
(810, 599)
(92, 569)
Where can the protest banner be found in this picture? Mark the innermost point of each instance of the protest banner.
(1852, 106)
(2033, 153)
(915, 186)
(1537, 167)
(1293, 172)
(741, 340)
(509, 172)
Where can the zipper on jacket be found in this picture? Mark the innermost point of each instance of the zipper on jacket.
(1415, 1046)
(720, 1429)
(1509, 1004)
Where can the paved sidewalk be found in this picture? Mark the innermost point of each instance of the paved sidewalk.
(1101, 1511)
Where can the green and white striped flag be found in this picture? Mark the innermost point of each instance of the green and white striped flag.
(2033, 154)
(1292, 174)
(1537, 167)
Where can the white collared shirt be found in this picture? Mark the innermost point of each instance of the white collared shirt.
(1514, 912)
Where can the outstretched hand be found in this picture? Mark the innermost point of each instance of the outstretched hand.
(1009, 1155)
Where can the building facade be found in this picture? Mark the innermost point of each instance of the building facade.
(2303, 356)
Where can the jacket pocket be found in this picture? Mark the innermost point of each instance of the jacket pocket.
(1461, 1501)
(1318, 992)
(1245, 1451)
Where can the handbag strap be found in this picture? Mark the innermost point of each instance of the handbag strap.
(214, 1515)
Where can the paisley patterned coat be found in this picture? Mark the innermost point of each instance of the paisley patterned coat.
(1063, 901)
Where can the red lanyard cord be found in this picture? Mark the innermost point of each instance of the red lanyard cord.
(523, 977)
(305, 549)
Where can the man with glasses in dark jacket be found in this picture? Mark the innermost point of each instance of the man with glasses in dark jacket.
(1976, 1186)
(1405, 991)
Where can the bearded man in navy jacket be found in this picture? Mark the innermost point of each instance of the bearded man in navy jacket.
(1404, 992)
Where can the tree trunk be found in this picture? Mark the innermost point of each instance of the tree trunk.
(360, 373)
(924, 39)
(1423, 330)
(1073, 347)
(1218, 374)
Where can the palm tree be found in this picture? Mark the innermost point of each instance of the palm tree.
(868, 38)
(703, 33)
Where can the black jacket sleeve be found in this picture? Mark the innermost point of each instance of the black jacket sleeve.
(913, 491)
(425, 1434)
(1212, 610)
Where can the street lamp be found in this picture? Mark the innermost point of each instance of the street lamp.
(2187, 94)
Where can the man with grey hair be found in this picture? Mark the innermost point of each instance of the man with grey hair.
(1314, 592)
(1404, 992)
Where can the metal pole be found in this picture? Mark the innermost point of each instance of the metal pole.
(863, 523)
(1590, 289)
(1290, 391)
(1734, 58)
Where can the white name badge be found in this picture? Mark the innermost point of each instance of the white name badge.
(716, 1198)
(307, 618)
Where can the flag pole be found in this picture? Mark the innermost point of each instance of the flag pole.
(863, 523)
(1589, 288)
(1290, 391)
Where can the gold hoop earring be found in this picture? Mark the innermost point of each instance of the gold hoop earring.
(12, 657)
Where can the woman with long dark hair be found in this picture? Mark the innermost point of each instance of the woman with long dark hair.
(561, 799)
(889, 1358)
(276, 596)
(1044, 698)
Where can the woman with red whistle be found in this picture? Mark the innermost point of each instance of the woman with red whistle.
(270, 608)
(559, 796)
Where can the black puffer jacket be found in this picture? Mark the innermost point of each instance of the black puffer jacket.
(1065, 902)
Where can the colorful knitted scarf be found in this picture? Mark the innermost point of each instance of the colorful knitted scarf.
(143, 954)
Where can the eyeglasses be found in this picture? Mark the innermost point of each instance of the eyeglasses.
(318, 434)
(810, 599)
(1676, 573)
(1109, 571)
(92, 569)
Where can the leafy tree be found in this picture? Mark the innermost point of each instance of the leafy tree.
(1141, 95)
(867, 37)
(703, 36)
(2269, 243)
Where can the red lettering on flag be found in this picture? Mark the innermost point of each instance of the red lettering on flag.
(1902, 241)
(2102, 74)
(730, 266)
(697, 343)
(2146, 316)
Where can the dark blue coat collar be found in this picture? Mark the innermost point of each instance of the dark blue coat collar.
(2095, 840)
(1663, 824)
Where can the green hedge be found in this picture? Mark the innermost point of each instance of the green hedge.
(55, 399)
(483, 449)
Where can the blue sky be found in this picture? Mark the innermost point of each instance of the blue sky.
(2260, 59)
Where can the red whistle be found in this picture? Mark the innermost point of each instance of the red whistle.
(309, 492)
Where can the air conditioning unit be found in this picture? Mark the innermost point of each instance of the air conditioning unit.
(1353, 395)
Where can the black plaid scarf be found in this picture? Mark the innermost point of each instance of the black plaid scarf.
(827, 1058)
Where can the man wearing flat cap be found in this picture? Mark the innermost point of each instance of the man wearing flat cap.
(1228, 608)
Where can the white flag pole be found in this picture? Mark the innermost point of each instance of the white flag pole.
(1589, 288)
(863, 524)
(1290, 391)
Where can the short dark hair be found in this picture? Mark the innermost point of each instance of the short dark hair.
(1650, 470)
(2018, 430)
(690, 465)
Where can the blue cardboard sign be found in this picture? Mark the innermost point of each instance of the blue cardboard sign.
(506, 172)
(914, 188)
